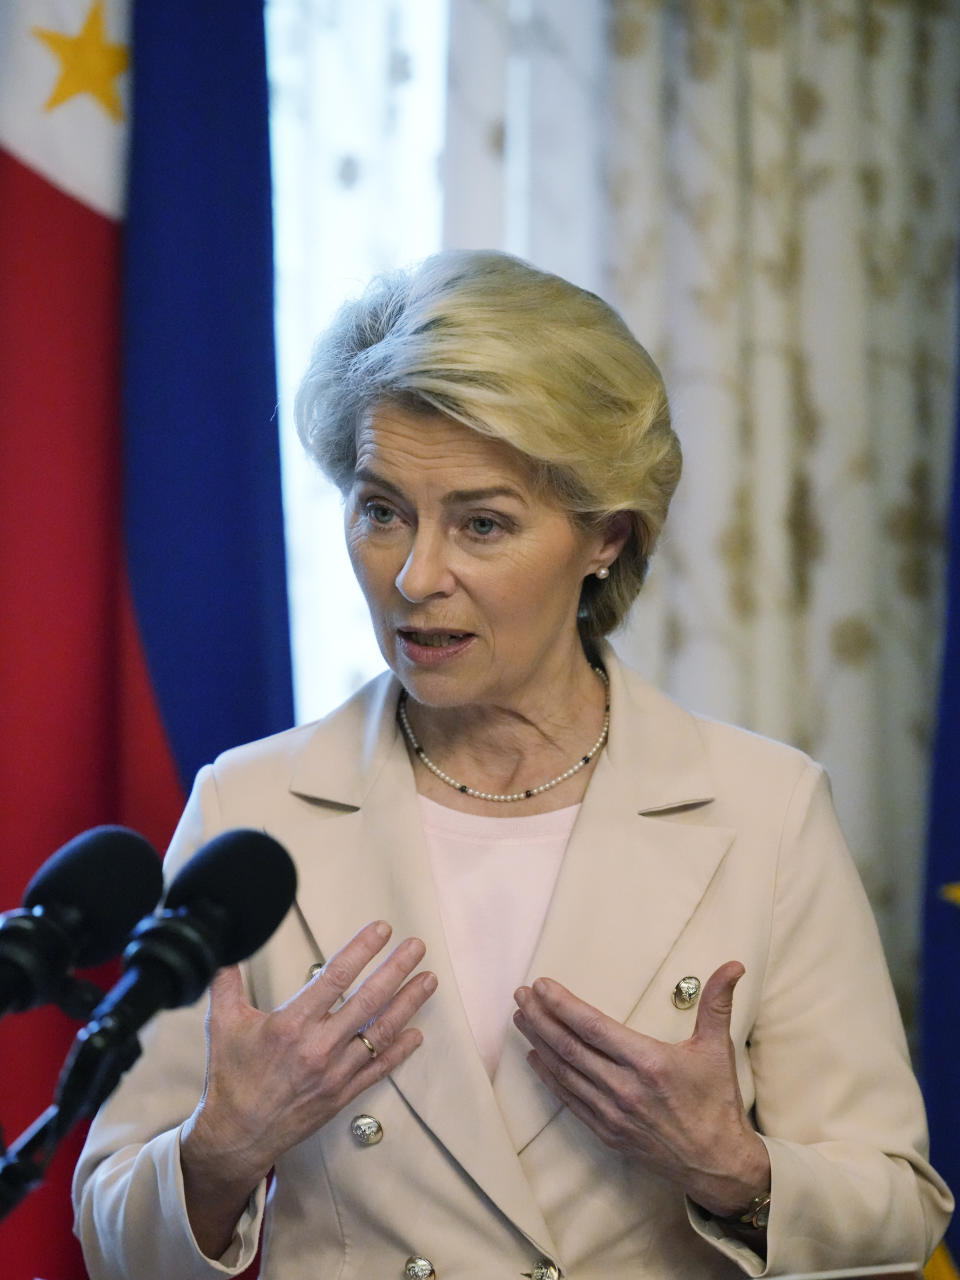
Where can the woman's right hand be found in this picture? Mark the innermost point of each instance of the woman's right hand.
(275, 1078)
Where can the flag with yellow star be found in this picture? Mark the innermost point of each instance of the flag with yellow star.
(939, 1006)
(65, 93)
(142, 582)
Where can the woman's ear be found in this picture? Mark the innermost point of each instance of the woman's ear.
(615, 533)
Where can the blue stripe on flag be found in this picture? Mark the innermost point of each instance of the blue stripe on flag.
(204, 525)
(940, 1012)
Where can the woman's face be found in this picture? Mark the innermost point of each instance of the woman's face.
(472, 577)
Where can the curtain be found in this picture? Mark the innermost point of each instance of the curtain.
(768, 191)
(356, 128)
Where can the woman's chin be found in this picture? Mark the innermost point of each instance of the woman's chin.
(440, 684)
(432, 690)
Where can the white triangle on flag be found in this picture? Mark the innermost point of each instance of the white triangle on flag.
(78, 144)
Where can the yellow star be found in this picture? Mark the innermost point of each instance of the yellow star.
(88, 63)
(951, 893)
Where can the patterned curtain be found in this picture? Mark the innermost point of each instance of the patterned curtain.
(770, 193)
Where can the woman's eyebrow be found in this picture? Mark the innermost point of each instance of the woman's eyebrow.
(368, 476)
(483, 495)
(454, 498)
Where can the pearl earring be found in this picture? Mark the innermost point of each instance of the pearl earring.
(603, 572)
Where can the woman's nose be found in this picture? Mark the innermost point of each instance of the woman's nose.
(426, 571)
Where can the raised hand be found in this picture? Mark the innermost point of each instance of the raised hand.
(273, 1079)
(675, 1108)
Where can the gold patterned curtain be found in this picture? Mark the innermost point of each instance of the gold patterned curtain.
(769, 190)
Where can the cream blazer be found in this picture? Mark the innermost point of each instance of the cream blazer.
(696, 843)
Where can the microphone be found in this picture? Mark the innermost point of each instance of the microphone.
(221, 907)
(78, 909)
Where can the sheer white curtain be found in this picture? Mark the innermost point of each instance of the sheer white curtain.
(769, 193)
(357, 107)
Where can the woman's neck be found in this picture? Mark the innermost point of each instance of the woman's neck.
(512, 747)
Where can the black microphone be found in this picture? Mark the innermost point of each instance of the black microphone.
(78, 909)
(221, 907)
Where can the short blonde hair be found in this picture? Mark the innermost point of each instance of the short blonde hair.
(525, 357)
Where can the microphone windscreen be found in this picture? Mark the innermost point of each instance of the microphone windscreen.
(102, 881)
(249, 878)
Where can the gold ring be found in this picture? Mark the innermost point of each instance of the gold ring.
(371, 1048)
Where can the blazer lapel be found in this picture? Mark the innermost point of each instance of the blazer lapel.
(376, 866)
(629, 882)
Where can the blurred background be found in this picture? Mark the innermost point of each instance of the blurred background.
(769, 192)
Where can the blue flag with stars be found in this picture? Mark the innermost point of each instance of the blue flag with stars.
(939, 1007)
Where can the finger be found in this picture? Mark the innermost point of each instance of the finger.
(578, 1106)
(372, 996)
(581, 1071)
(559, 1043)
(228, 999)
(376, 1069)
(548, 1002)
(716, 1002)
(375, 1037)
(344, 967)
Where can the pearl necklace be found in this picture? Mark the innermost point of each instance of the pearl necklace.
(516, 795)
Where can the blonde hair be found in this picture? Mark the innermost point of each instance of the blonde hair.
(525, 357)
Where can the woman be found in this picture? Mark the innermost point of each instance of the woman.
(704, 1073)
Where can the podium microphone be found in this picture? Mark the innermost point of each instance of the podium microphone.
(221, 907)
(78, 909)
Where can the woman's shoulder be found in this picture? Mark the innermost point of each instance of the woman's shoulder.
(672, 741)
(341, 733)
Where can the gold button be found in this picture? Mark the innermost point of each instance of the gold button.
(417, 1268)
(314, 969)
(543, 1269)
(367, 1130)
(686, 993)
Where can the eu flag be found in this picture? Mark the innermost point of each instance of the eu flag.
(940, 1008)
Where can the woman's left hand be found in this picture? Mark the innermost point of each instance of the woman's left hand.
(675, 1108)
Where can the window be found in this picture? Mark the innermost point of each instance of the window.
(357, 97)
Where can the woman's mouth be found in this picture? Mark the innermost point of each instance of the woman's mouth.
(432, 646)
(435, 639)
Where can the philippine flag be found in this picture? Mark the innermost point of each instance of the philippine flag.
(143, 611)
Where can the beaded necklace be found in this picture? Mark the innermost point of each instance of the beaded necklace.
(516, 795)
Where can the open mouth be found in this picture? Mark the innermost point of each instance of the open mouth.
(434, 639)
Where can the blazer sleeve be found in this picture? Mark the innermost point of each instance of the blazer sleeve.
(130, 1212)
(836, 1100)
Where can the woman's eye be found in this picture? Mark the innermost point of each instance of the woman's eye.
(482, 526)
(379, 513)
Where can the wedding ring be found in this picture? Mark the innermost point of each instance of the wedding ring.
(371, 1048)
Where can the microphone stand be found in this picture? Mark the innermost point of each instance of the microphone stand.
(90, 1074)
(169, 961)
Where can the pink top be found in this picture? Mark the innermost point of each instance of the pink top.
(494, 879)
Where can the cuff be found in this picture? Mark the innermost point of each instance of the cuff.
(718, 1234)
(242, 1248)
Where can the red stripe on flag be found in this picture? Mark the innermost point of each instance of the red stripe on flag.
(82, 740)
(59, 506)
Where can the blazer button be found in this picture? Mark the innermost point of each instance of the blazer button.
(367, 1130)
(417, 1268)
(686, 993)
(543, 1269)
(315, 968)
